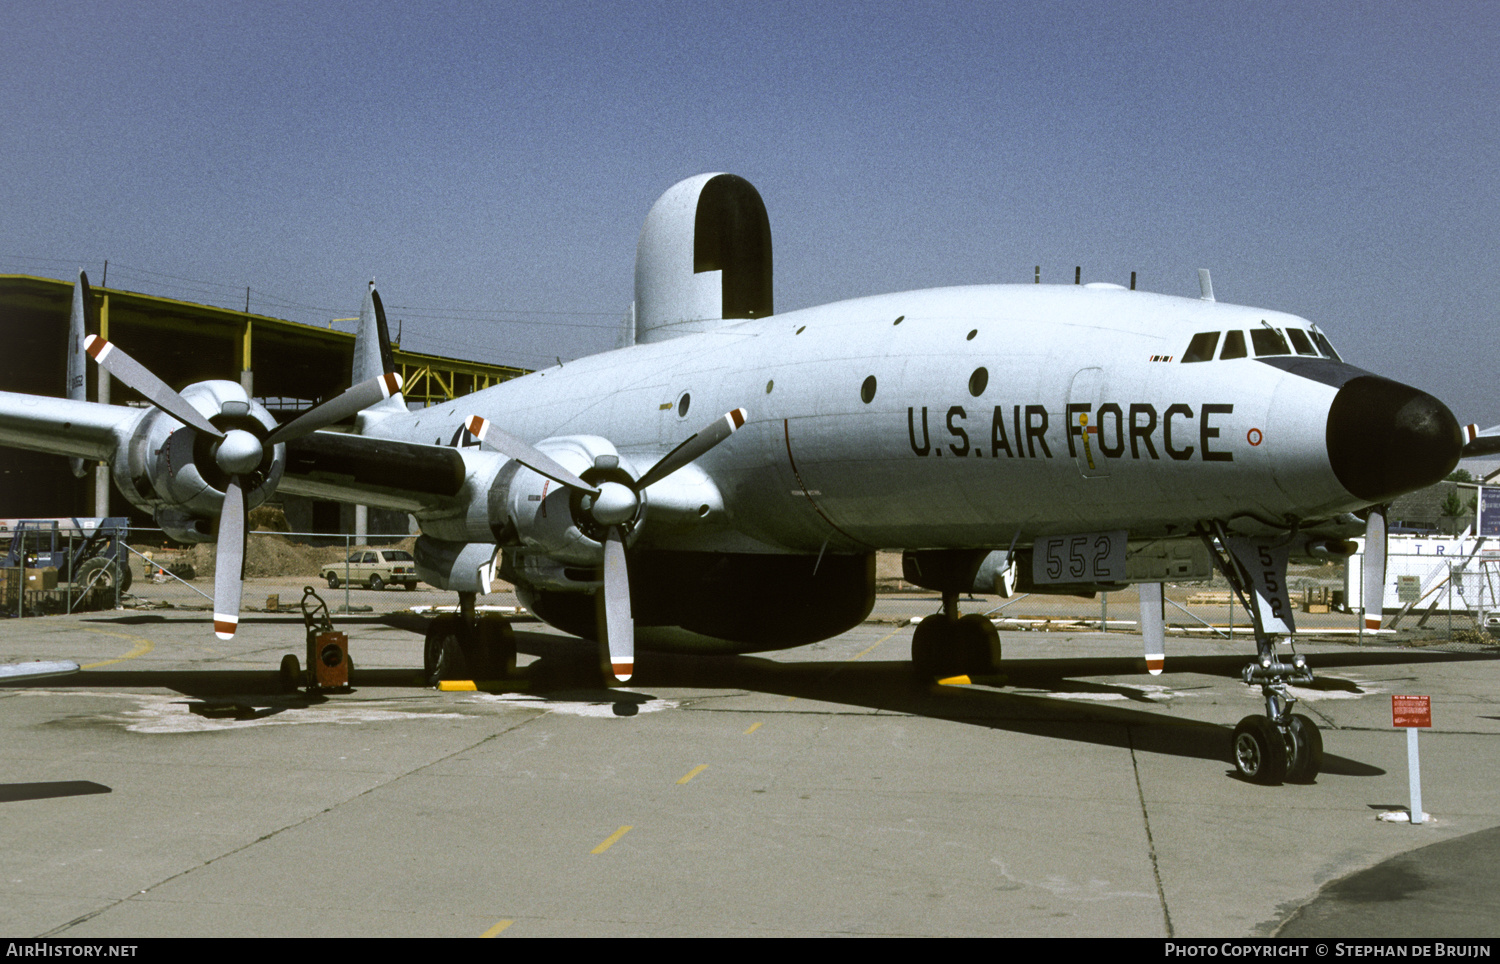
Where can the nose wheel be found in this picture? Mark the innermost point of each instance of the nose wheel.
(1274, 753)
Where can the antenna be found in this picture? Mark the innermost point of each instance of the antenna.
(1205, 285)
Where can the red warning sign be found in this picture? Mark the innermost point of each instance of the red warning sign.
(1408, 711)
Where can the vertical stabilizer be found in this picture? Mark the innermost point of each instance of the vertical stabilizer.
(83, 302)
(373, 358)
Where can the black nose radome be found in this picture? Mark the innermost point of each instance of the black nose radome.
(1385, 438)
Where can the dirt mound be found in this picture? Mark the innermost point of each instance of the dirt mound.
(268, 555)
(265, 555)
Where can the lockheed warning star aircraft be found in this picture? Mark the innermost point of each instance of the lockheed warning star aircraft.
(722, 481)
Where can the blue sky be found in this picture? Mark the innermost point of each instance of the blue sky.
(490, 164)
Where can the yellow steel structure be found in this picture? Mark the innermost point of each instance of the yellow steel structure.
(185, 342)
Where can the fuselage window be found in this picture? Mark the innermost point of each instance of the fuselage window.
(1321, 340)
(1234, 345)
(1301, 342)
(1201, 348)
(1268, 341)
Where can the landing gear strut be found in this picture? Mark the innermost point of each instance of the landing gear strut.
(1279, 746)
(468, 646)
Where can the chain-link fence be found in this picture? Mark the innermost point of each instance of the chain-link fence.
(1434, 599)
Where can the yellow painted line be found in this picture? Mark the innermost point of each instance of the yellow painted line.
(457, 686)
(141, 648)
(753, 728)
(497, 928)
(955, 681)
(876, 643)
(692, 773)
(612, 840)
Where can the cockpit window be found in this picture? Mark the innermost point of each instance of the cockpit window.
(1201, 348)
(1321, 340)
(1301, 342)
(1234, 345)
(1268, 341)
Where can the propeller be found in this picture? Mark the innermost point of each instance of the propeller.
(1153, 628)
(612, 505)
(238, 453)
(77, 322)
(1476, 444)
(1372, 581)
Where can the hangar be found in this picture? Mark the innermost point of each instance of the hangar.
(288, 365)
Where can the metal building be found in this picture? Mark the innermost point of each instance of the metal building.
(288, 365)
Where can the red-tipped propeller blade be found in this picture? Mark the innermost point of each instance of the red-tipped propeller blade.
(1372, 582)
(229, 561)
(135, 375)
(349, 402)
(619, 624)
(513, 448)
(692, 449)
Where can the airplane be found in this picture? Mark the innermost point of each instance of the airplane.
(722, 481)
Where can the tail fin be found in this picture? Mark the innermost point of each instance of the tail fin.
(83, 303)
(372, 357)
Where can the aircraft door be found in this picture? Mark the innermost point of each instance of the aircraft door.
(1086, 428)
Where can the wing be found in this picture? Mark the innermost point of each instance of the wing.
(65, 427)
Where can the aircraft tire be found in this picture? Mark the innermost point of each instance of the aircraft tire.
(978, 644)
(928, 648)
(496, 649)
(1260, 751)
(1307, 750)
(442, 653)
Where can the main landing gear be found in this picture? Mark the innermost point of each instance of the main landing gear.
(468, 646)
(1279, 746)
(948, 644)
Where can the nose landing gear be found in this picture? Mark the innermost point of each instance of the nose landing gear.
(1279, 746)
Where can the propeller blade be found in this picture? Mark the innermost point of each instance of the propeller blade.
(513, 448)
(229, 561)
(136, 376)
(619, 624)
(1476, 445)
(1372, 582)
(695, 447)
(351, 401)
(77, 365)
(1153, 628)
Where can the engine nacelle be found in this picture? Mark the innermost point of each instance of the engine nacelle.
(169, 469)
(552, 519)
(531, 569)
(455, 566)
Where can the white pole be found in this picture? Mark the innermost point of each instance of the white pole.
(1414, 773)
